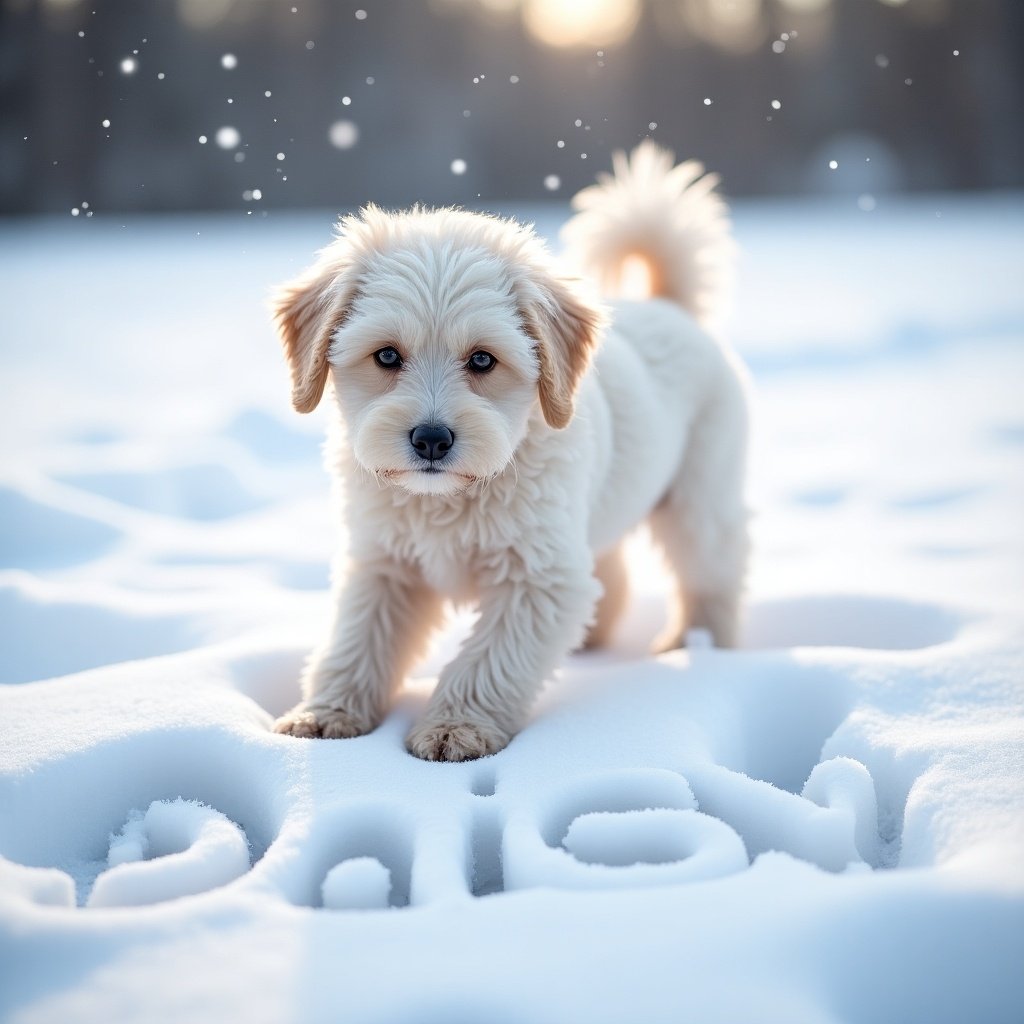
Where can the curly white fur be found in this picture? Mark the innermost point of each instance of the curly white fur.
(576, 436)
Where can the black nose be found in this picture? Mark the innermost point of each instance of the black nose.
(432, 441)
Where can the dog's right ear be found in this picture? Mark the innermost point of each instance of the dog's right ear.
(308, 311)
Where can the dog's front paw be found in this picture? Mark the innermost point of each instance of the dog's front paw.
(324, 722)
(454, 741)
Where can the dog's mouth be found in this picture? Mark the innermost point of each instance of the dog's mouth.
(435, 470)
(431, 470)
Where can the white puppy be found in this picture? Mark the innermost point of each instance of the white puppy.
(497, 442)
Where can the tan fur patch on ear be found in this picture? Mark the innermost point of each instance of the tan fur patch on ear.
(565, 338)
(308, 311)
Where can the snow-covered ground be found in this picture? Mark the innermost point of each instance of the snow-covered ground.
(825, 826)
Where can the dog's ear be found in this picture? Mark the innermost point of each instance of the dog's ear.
(308, 311)
(566, 327)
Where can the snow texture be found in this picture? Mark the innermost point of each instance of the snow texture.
(177, 848)
(359, 883)
(826, 825)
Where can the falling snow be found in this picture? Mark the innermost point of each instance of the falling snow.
(343, 134)
(227, 137)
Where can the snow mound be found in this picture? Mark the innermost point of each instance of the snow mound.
(694, 845)
(360, 883)
(203, 492)
(177, 848)
(41, 535)
(845, 788)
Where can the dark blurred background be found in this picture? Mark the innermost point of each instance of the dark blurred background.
(117, 105)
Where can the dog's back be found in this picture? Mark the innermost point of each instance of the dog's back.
(673, 393)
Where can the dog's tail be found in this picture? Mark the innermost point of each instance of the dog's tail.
(654, 229)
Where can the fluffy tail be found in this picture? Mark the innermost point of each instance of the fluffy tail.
(654, 229)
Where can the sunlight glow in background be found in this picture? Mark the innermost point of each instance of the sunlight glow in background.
(738, 26)
(732, 25)
(581, 22)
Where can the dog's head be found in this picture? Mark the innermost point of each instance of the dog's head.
(442, 331)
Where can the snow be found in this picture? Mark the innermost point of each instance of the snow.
(343, 134)
(827, 825)
(177, 848)
(227, 137)
(357, 883)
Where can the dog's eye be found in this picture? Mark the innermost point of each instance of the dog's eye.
(481, 362)
(388, 358)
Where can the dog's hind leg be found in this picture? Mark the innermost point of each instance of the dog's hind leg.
(610, 570)
(701, 526)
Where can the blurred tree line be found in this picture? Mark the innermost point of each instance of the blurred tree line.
(103, 104)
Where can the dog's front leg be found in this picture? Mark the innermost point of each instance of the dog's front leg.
(383, 618)
(524, 631)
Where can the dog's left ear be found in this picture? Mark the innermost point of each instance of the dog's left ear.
(308, 311)
(566, 327)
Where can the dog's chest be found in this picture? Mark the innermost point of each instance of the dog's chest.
(448, 574)
(445, 551)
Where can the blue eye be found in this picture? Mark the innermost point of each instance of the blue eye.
(388, 358)
(481, 362)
